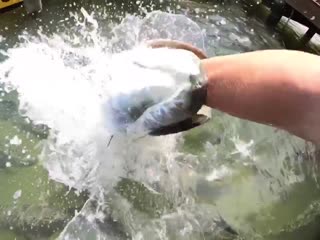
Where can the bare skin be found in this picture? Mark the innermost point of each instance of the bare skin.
(273, 87)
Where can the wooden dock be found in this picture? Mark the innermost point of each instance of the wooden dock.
(8, 3)
(32, 6)
(306, 12)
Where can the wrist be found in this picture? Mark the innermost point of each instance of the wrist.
(214, 72)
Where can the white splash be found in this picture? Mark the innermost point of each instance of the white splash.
(65, 86)
(218, 174)
(244, 148)
(63, 82)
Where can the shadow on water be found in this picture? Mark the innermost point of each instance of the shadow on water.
(235, 178)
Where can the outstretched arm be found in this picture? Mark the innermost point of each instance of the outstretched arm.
(274, 87)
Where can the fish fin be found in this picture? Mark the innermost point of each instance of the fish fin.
(185, 125)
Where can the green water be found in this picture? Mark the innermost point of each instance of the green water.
(272, 193)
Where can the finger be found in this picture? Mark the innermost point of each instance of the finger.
(166, 43)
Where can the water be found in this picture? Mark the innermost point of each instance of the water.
(228, 179)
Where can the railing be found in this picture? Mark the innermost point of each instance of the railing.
(8, 3)
(306, 12)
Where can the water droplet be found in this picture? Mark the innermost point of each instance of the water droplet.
(15, 140)
(223, 22)
(17, 194)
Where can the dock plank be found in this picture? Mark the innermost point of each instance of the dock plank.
(310, 9)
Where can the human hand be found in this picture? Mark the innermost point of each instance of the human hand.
(167, 90)
(275, 87)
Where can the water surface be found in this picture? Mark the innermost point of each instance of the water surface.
(228, 179)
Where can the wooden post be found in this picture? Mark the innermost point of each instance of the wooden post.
(277, 9)
(307, 37)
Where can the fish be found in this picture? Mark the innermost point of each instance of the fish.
(198, 95)
(166, 105)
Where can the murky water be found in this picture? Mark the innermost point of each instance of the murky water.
(229, 179)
